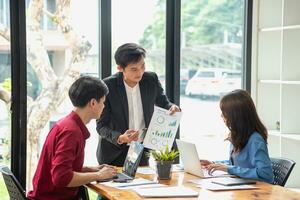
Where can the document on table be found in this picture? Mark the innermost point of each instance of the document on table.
(134, 182)
(155, 185)
(178, 191)
(207, 184)
(162, 129)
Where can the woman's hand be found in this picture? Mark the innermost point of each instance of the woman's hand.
(216, 166)
(205, 163)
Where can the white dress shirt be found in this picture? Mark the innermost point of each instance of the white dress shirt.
(135, 107)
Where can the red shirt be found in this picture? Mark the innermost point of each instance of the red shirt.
(63, 153)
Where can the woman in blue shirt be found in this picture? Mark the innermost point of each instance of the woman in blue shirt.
(249, 157)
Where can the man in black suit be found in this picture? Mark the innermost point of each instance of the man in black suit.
(129, 105)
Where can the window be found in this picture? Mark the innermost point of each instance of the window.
(212, 37)
(47, 23)
(5, 90)
(66, 53)
(142, 22)
(4, 12)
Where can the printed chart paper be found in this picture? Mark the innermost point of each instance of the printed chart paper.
(162, 129)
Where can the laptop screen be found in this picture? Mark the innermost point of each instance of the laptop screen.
(133, 158)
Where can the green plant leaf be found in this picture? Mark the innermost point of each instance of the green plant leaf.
(164, 154)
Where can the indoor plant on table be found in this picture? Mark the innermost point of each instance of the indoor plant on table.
(164, 160)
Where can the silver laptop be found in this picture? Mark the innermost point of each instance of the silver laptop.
(191, 163)
(131, 163)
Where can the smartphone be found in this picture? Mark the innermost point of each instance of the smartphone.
(142, 134)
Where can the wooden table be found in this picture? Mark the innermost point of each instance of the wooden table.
(264, 192)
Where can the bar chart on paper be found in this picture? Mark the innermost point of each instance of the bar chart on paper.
(162, 129)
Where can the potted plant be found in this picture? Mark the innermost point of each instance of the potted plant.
(164, 160)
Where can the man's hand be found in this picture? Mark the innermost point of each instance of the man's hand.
(99, 167)
(174, 109)
(104, 165)
(107, 172)
(128, 136)
(95, 168)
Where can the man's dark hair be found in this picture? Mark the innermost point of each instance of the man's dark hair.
(129, 53)
(86, 88)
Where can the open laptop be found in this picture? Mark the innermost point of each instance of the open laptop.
(131, 163)
(191, 163)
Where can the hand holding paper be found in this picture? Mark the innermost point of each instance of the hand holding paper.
(174, 109)
(162, 129)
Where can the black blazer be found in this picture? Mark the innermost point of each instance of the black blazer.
(114, 119)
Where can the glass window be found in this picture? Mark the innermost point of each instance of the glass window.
(58, 53)
(211, 55)
(4, 13)
(5, 96)
(51, 6)
(142, 22)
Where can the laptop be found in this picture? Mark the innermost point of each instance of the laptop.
(191, 163)
(131, 163)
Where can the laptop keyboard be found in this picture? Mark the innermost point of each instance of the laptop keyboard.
(206, 174)
(122, 176)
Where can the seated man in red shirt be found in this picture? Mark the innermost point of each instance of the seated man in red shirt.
(60, 170)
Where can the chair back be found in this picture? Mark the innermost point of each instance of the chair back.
(282, 168)
(15, 190)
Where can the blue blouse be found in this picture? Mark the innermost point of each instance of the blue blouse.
(252, 161)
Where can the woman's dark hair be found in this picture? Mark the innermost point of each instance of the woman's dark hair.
(86, 88)
(241, 118)
(129, 53)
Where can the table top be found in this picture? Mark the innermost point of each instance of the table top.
(264, 190)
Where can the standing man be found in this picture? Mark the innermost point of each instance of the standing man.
(129, 105)
(60, 170)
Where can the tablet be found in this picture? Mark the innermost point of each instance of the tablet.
(233, 181)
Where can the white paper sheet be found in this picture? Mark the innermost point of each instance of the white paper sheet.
(167, 192)
(134, 182)
(162, 129)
